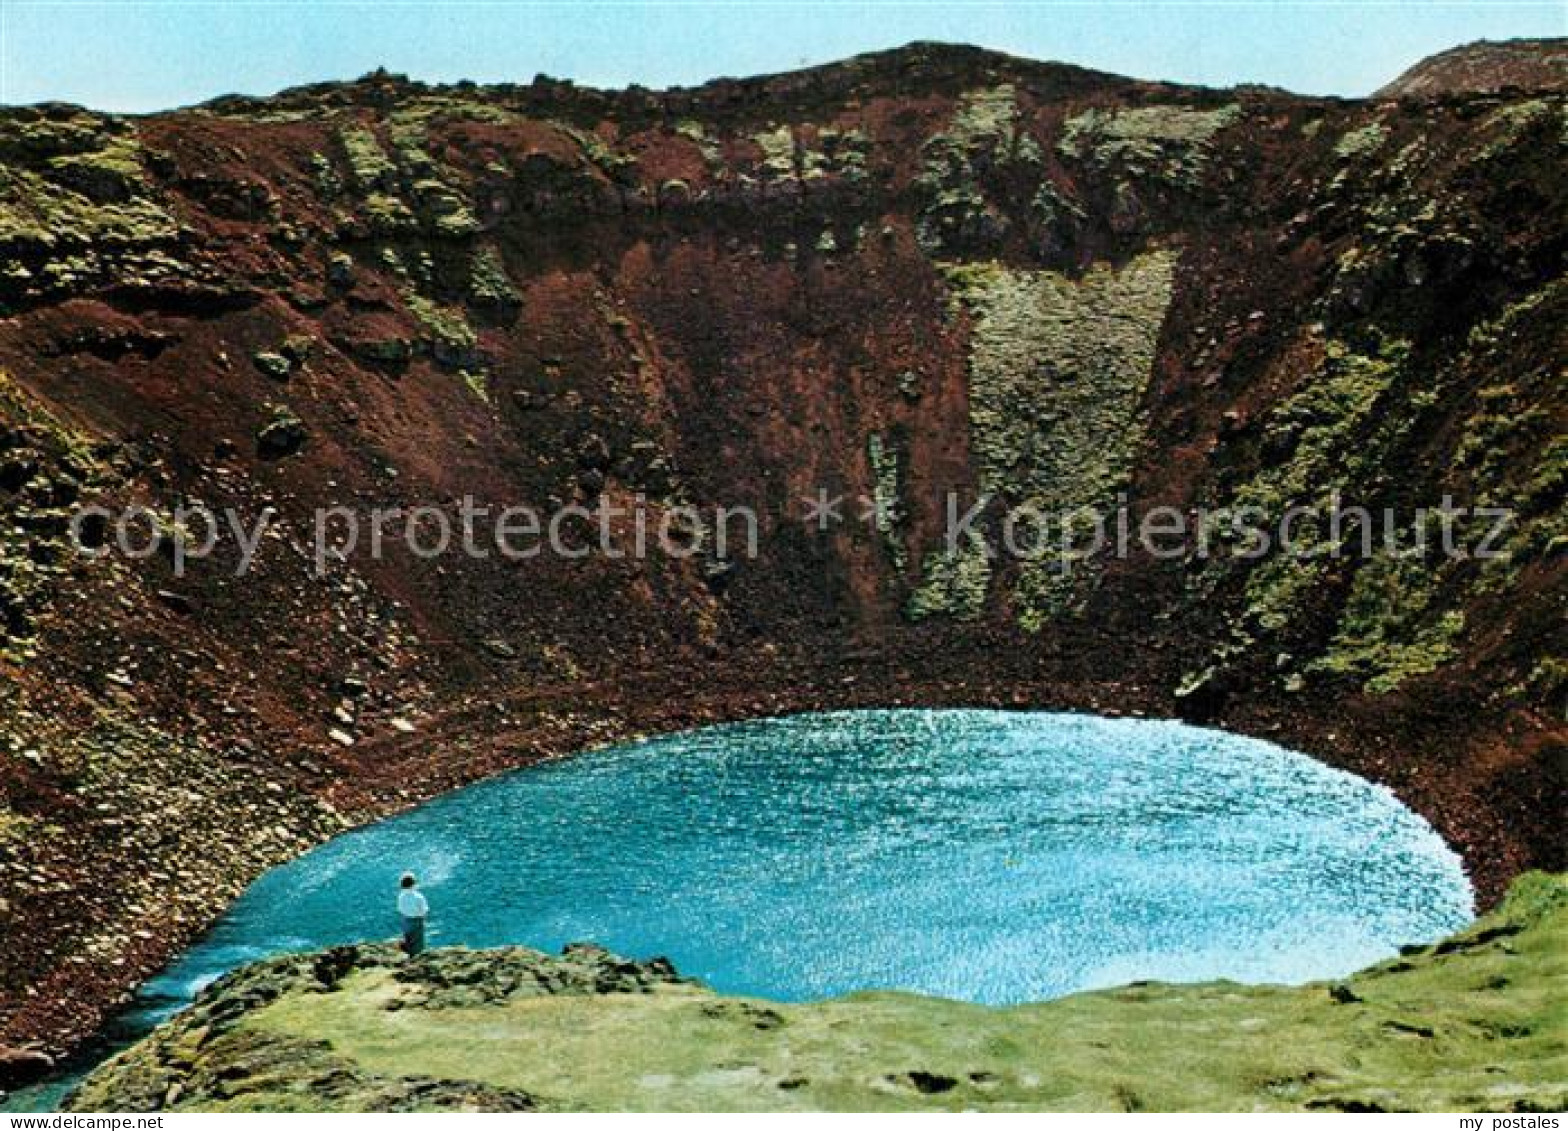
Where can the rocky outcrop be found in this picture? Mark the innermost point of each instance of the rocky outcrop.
(1486, 68)
(1471, 1023)
(211, 1055)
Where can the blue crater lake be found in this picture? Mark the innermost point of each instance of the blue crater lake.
(986, 855)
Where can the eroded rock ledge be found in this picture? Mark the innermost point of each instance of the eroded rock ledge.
(1472, 1022)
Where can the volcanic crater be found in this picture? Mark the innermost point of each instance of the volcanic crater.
(933, 274)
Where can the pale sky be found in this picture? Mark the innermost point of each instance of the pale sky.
(152, 54)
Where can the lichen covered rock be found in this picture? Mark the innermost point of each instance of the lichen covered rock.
(1058, 368)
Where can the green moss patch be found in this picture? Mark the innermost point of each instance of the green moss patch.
(489, 285)
(1058, 368)
(1389, 630)
(372, 169)
(953, 582)
(1168, 143)
(886, 458)
(986, 135)
(1473, 1023)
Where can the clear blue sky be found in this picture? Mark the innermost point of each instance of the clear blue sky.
(152, 54)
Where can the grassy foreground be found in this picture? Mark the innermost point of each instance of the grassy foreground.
(1476, 1022)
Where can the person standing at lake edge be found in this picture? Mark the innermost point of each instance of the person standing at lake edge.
(411, 905)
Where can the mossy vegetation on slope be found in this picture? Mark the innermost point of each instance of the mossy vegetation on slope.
(1170, 143)
(987, 134)
(1474, 1022)
(46, 469)
(76, 210)
(1058, 369)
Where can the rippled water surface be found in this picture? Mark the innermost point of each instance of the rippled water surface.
(993, 856)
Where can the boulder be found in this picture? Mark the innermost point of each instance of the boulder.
(273, 365)
(283, 435)
(20, 1067)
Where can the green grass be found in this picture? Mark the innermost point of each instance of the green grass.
(1476, 1022)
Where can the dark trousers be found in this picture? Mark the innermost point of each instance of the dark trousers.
(413, 935)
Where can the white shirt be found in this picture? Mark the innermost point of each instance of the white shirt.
(412, 905)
